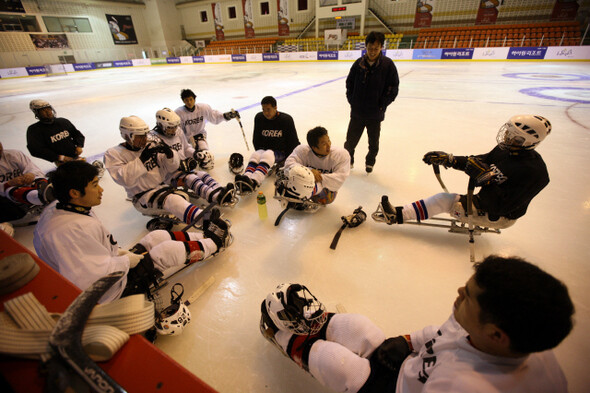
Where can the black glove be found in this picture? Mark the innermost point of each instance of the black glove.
(439, 158)
(391, 353)
(480, 171)
(231, 115)
(150, 151)
(187, 165)
(164, 148)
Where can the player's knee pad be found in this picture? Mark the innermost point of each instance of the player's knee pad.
(356, 332)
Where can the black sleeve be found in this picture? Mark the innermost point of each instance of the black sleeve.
(256, 134)
(36, 145)
(350, 79)
(293, 139)
(76, 135)
(391, 86)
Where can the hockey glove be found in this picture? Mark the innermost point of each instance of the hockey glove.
(231, 115)
(149, 153)
(165, 149)
(133, 258)
(480, 171)
(391, 353)
(188, 165)
(439, 158)
(355, 219)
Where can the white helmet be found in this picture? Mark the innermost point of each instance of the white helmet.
(205, 159)
(294, 309)
(523, 132)
(300, 182)
(37, 105)
(168, 121)
(132, 126)
(174, 318)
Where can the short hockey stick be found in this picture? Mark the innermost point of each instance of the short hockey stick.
(337, 236)
(357, 217)
(243, 134)
(470, 188)
(200, 290)
(278, 220)
(66, 337)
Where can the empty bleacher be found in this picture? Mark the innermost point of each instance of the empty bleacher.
(529, 34)
(250, 45)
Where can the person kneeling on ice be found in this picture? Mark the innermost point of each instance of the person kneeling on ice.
(316, 171)
(142, 167)
(72, 240)
(167, 131)
(510, 176)
(505, 321)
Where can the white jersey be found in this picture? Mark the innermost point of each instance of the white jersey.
(127, 170)
(13, 164)
(80, 248)
(177, 143)
(193, 123)
(335, 167)
(445, 361)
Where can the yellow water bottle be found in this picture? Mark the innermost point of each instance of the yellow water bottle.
(261, 201)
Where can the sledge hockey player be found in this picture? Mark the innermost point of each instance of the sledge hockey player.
(141, 168)
(22, 185)
(193, 118)
(314, 172)
(54, 139)
(274, 138)
(200, 182)
(510, 176)
(498, 338)
(73, 241)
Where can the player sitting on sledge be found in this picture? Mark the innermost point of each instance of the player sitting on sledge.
(193, 118)
(498, 338)
(274, 139)
(200, 182)
(510, 176)
(73, 241)
(313, 173)
(141, 168)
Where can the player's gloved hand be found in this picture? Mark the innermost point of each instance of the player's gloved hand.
(231, 115)
(391, 354)
(480, 171)
(149, 152)
(188, 165)
(199, 156)
(439, 158)
(165, 149)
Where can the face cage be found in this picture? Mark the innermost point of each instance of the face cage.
(169, 130)
(37, 112)
(305, 324)
(509, 139)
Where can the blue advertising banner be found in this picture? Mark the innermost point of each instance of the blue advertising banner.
(122, 63)
(457, 53)
(238, 58)
(328, 55)
(527, 52)
(173, 60)
(39, 70)
(427, 54)
(270, 57)
(198, 59)
(84, 66)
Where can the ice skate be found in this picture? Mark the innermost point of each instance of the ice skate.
(387, 213)
(245, 185)
(226, 196)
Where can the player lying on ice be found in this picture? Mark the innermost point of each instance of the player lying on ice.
(498, 338)
(510, 176)
(313, 173)
(274, 138)
(142, 168)
(73, 241)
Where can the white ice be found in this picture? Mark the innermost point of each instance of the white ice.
(402, 277)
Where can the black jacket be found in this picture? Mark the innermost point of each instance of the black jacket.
(49, 141)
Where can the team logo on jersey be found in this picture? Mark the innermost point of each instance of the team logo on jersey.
(499, 177)
(196, 120)
(272, 133)
(4, 177)
(60, 136)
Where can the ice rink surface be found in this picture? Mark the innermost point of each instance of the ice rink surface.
(401, 277)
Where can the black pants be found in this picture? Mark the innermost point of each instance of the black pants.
(355, 130)
(10, 211)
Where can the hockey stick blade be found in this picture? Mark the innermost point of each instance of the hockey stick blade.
(200, 290)
(66, 337)
(436, 170)
(470, 189)
(278, 220)
(199, 216)
(337, 237)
